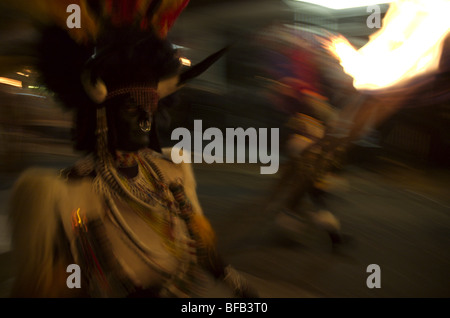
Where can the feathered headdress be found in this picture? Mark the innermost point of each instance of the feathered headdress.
(104, 25)
(118, 45)
(94, 14)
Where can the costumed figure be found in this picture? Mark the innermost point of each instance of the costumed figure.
(124, 213)
(320, 135)
(310, 156)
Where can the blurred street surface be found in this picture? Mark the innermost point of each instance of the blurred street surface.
(398, 217)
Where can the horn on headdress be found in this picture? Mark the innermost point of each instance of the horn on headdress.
(93, 85)
(201, 67)
(95, 89)
(170, 85)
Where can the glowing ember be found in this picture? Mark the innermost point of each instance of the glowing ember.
(409, 44)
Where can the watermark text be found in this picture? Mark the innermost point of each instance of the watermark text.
(238, 145)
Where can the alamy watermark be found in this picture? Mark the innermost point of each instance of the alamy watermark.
(238, 145)
(374, 19)
(74, 19)
(374, 279)
(74, 279)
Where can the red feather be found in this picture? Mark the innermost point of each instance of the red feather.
(124, 12)
(168, 17)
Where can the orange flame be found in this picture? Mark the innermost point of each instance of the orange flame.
(409, 44)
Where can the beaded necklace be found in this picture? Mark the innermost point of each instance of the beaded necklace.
(184, 248)
(158, 208)
(147, 185)
(150, 198)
